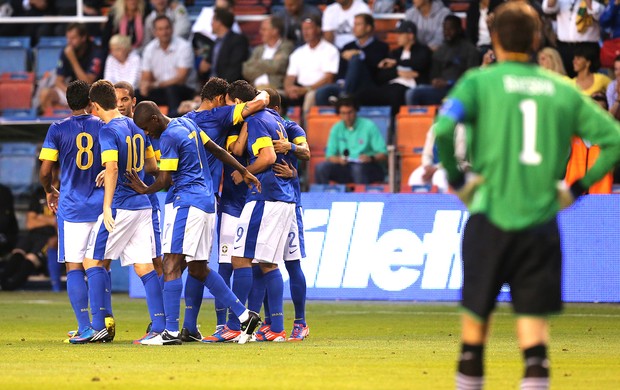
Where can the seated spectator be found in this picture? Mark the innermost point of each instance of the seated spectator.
(293, 14)
(610, 19)
(338, 20)
(407, 66)
(230, 49)
(175, 11)
(268, 62)
(359, 60)
(387, 6)
(17, 8)
(550, 59)
(122, 64)
(8, 222)
(613, 95)
(202, 25)
(428, 16)
(455, 55)
(586, 65)
(310, 66)
(30, 254)
(80, 60)
(167, 68)
(126, 17)
(355, 151)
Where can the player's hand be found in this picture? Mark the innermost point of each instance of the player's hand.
(281, 145)
(134, 182)
(429, 171)
(52, 200)
(285, 170)
(108, 219)
(567, 196)
(251, 180)
(99, 179)
(467, 191)
(237, 178)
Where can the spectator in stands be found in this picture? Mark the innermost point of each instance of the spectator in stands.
(450, 61)
(359, 60)
(30, 254)
(338, 20)
(387, 6)
(428, 16)
(80, 60)
(8, 222)
(123, 63)
(577, 26)
(175, 11)
(407, 66)
(476, 25)
(293, 14)
(202, 25)
(167, 68)
(612, 89)
(126, 17)
(310, 66)
(586, 65)
(25, 8)
(610, 19)
(355, 149)
(268, 62)
(69, 8)
(230, 49)
(550, 59)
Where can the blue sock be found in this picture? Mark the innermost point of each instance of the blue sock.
(220, 290)
(96, 294)
(172, 303)
(257, 294)
(108, 293)
(161, 282)
(298, 290)
(267, 320)
(225, 270)
(242, 284)
(54, 268)
(154, 301)
(194, 290)
(275, 290)
(78, 296)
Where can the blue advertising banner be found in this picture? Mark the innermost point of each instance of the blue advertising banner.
(407, 247)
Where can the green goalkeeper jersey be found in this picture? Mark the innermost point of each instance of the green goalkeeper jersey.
(520, 121)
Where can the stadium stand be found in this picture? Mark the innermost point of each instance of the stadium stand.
(14, 52)
(16, 90)
(18, 162)
(47, 54)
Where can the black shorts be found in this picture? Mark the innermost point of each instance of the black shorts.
(529, 260)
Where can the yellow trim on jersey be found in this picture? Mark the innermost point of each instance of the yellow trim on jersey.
(204, 137)
(149, 152)
(169, 164)
(260, 143)
(109, 155)
(231, 140)
(300, 140)
(237, 117)
(48, 154)
(157, 154)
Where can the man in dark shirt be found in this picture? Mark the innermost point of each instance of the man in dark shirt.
(8, 222)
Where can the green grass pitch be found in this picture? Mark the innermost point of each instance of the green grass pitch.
(352, 345)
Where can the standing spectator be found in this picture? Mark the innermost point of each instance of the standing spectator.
(25, 8)
(428, 16)
(577, 26)
(293, 14)
(476, 25)
(176, 12)
(450, 61)
(126, 17)
(338, 20)
(80, 60)
(230, 49)
(586, 65)
(359, 61)
(550, 59)
(612, 89)
(202, 25)
(310, 66)
(167, 66)
(268, 62)
(355, 149)
(8, 222)
(122, 64)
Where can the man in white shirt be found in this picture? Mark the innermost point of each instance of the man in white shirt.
(338, 19)
(176, 12)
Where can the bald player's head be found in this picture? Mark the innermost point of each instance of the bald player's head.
(149, 118)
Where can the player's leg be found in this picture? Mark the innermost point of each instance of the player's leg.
(257, 294)
(156, 251)
(293, 254)
(226, 227)
(109, 318)
(194, 291)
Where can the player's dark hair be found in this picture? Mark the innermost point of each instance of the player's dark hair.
(79, 27)
(368, 19)
(241, 90)
(213, 88)
(517, 26)
(274, 98)
(77, 95)
(224, 16)
(127, 86)
(102, 92)
(347, 101)
(590, 54)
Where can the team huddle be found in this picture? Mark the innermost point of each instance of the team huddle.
(237, 138)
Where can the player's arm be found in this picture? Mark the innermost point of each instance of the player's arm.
(236, 145)
(229, 160)
(451, 113)
(285, 170)
(163, 180)
(110, 179)
(258, 103)
(299, 146)
(150, 166)
(35, 220)
(46, 177)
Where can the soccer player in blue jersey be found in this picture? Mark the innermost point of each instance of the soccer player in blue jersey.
(73, 143)
(124, 228)
(216, 119)
(190, 219)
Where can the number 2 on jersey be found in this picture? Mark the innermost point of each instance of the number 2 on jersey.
(529, 111)
(135, 152)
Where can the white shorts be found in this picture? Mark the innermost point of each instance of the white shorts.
(263, 231)
(73, 240)
(295, 244)
(227, 234)
(130, 240)
(188, 231)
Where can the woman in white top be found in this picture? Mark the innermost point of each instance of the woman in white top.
(122, 64)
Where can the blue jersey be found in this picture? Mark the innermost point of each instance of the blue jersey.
(74, 143)
(150, 179)
(296, 135)
(216, 123)
(183, 154)
(124, 142)
(233, 195)
(263, 128)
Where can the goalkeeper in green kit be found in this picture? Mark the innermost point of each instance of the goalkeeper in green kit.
(520, 122)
